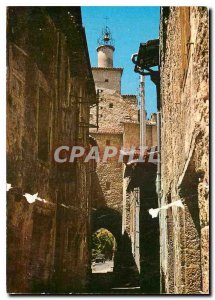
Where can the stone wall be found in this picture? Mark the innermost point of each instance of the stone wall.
(151, 134)
(131, 135)
(110, 173)
(108, 78)
(184, 149)
(114, 110)
(47, 92)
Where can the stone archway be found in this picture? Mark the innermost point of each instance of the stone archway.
(111, 220)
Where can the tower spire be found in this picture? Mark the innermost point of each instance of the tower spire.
(105, 48)
(106, 36)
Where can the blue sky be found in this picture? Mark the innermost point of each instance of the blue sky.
(129, 26)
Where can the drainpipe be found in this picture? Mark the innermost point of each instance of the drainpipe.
(158, 179)
(142, 113)
(137, 229)
(158, 187)
(141, 117)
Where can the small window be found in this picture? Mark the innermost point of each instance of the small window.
(127, 117)
(106, 80)
(111, 105)
(100, 115)
(107, 142)
(107, 185)
(101, 107)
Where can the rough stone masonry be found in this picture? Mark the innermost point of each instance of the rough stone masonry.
(49, 92)
(184, 234)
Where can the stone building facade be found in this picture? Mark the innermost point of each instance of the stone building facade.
(184, 82)
(50, 90)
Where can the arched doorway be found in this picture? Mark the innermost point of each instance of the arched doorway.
(123, 263)
(103, 249)
(111, 220)
(107, 224)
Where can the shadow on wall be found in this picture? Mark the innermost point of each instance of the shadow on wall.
(149, 232)
(192, 237)
(98, 195)
(130, 276)
(143, 177)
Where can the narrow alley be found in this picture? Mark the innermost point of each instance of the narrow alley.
(103, 197)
